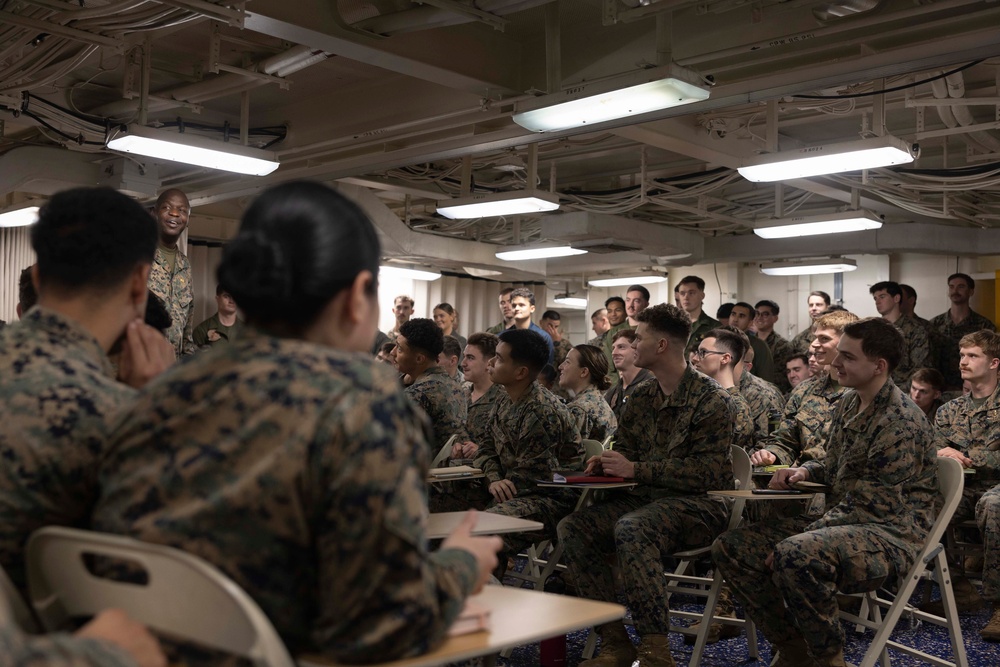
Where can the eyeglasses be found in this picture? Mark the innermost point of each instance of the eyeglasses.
(701, 352)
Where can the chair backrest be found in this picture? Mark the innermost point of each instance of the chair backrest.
(15, 608)
(951, 482)
(742, 471)
(444, 453)
(592, 448)
(184, 597)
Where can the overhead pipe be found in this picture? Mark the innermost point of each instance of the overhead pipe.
(956, 90)
(427, 17)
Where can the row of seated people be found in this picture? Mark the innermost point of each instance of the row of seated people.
(297, 466)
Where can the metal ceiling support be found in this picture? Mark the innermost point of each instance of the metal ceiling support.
(878, 108)
(320, 29)
(232, 16)
(466, 10)
(144, 72)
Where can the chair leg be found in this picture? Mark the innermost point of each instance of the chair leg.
(943, 577)
(588, 648)
(706, 619)
(751, 631)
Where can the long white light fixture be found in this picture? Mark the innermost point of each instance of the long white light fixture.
(193, 149)
(493, 204)
(539, 253)
(19, 217)
(808, 267)
(882, 151)
(813, 225)
(571, 301)
(600, 101)
(407, 273)
(628, 280)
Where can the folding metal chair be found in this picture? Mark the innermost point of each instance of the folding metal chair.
(950, 482)
(184, 597)
(709, 587)
(444, 453)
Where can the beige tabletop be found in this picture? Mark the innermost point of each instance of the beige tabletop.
(587, 485)
(440, 524)
(518, 616)
(748, 494)
(454, 473)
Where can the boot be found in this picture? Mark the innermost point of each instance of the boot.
(967, 599)
(617, 649)
(723, 607)
(973, 563)
(792, 653)
(991, 633)
(654, 651)
(832, 660)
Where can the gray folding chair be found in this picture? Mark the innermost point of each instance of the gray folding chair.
(951, 481)
(15, 608)
(444, 453)
(185, 597)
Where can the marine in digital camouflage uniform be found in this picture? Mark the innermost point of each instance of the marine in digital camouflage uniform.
(917, 349)
(974, 430)
(680, 445)
(781, 352)
(299, 471)
(562, 348)
(743, 424)
(173, 286)
(761, 397)
(880, 465)
(699, 328)
(618, 395)
(59, 397)
(608, 342)
(805, 427)
(594, 417)
(950, 334)
(19, 649)
(526, 441)
(444, 401)
(803, 340)
(478, 423)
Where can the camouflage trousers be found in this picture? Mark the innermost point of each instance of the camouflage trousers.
(984, 505)
(547, 510)
(641, 533)
(798, 598)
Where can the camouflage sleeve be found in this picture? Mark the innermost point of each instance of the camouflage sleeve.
(487, 457)
(920, 347)
(188, 342)
(20, 650)
(786, 441)
(702, 460)
(537, 439)
(878, 493)
(743, 424)
(382, 594)
(946, 429)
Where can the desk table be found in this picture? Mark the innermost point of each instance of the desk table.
(440, 524)
(518, 617)
(454, 473)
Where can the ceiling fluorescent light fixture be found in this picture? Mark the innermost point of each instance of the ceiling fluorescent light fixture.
(813, 225)
(571, 301)
(884, 151)
(596, 102)
(626, 281)
(193, 149)
(808, 267)
(19, 217)
(407, 273)
(539, 253)
(515, 202)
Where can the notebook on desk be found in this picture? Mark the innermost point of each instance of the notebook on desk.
(576, 477)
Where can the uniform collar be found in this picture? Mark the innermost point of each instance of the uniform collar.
(71, 334)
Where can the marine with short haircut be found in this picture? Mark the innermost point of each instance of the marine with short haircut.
(418, 346)
(741, 317)
(222, 327)
(802, 434)
(58, 391)
(762, 397)
(531, 433)
(717, 356)
(956, 323)
(968, 429)
(505, 310)
(916, 350)
(550, 322)
(882, 473)
(600, 325)
(818, 302)
(170, 277)
(691, 293)
(522, 305)
(618, 319)
(674, 441)
(630, 376)
(402, 310)
(781, 349)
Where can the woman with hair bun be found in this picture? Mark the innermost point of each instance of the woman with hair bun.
(290, 459)
(585, 374)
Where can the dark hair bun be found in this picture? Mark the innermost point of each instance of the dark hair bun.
(255, 270)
